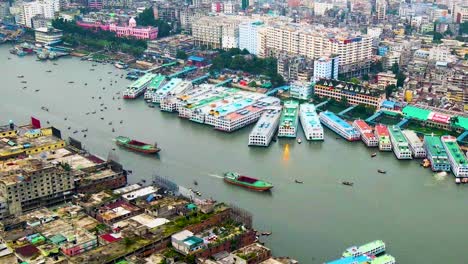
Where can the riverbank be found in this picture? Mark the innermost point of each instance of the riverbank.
(310, 221)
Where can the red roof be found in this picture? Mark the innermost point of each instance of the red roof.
(381, 130)
(27, 251)
(362, 125)
(109, 238)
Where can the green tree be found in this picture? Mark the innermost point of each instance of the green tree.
(365, 77)
(344, 101)
(389, 90)
(181, 55)
(400, 79)
(395, 68)
(376, 66)
(355, 80)
(437, 38)
(252, 84)
(448, 32)
(146, 18)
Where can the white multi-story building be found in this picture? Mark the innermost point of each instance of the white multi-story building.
(460, 13)
(381, 9)
(300, 90)
(230, 7)
(321, 7)
(440, 53)
(216, 31)
(47, 8)
(315, 41)
(326, 68)
(248, 36)
(47, 36)
(374, 32)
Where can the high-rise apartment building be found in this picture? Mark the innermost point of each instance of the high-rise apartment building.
(217, 32)
(47, 8)
(326, 68)
(381, 9)
(248, 36)
(315, 41)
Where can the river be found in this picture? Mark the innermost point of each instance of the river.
(420, 217)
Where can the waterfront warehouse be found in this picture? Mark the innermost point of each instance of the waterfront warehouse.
(310, 122)
(339, 126)
(289, 118)
(381, 132)
(265, 129)
(399, 142)
(138, 87)
(456, 156)
(366, 133)
(415, 144)
(436, 153)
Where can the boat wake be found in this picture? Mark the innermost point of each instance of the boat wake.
(215, 176)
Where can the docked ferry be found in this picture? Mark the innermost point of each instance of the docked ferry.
(436, 153)
(456, 156)
(415, 144)
(339, 126)
(366, 133)
(288, 120)
(266, 127)
(381, 132)
(400, 144)
(138, 87)
(310, 122)
(370, 249)
(157, 82)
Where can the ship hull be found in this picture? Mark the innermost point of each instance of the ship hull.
(259, 189)
(136, 149)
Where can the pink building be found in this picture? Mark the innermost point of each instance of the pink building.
(132, 30)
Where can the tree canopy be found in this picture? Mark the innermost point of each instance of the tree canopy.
(75, 36)
(146, 18)
(233, 59)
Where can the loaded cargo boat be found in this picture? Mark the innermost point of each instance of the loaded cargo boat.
(137, 145)
(247, 182)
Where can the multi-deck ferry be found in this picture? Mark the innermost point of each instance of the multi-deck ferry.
(288, 121)
(415, 144)
(310, 122)
(364, 259)
(156, 83)
(366, 133)
(456, 157)
(370, 249)
(436, 153)
(266, 127)
(381, 132)
(400, 144)
(171, 88)
(339, 126)
(138, 87)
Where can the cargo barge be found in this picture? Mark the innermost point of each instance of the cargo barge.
(436, 153)
(310, 122)
(400, 144)
(367, 135)
(138, 87)
(247, 182)
(415, 144)
(339, 126)
(266, 127)
(457, 158)
(137, 146)
(381, 132)
(288, 120)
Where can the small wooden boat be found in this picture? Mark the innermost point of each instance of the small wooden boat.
(298, 181)
(195, 183)
(299, 140)
(381, 171)
(374, 154)
(347, 183)
(266, 233)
